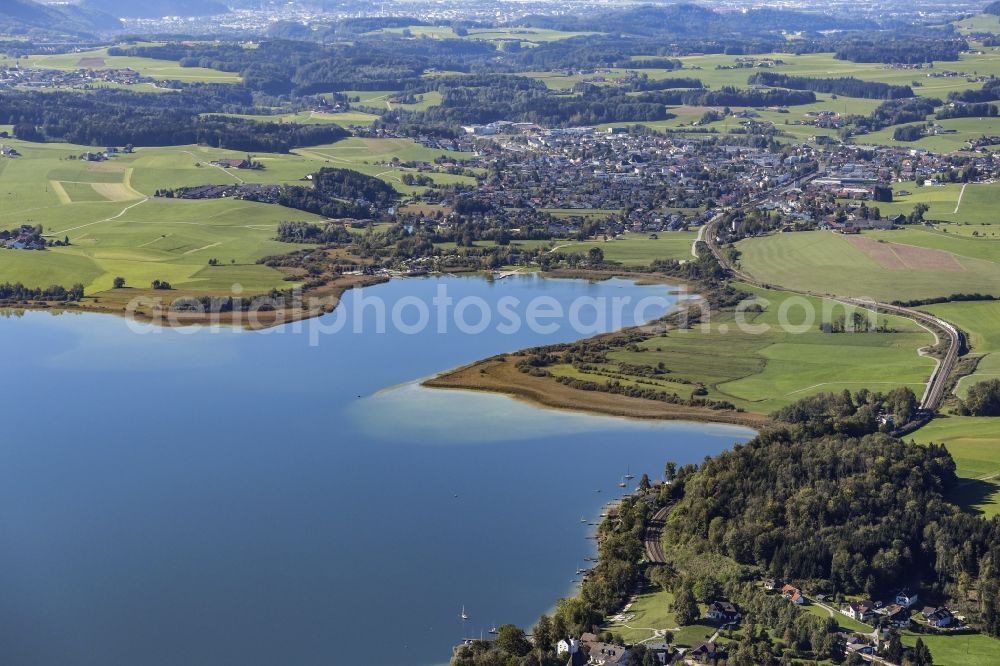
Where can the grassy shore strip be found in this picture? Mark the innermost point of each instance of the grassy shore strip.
(500, 375)
(153, 306)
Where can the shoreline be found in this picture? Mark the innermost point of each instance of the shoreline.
(152, 311)
(499, 374)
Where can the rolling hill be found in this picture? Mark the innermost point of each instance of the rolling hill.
(25, 17)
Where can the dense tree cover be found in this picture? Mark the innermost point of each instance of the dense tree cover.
(846, 414)
(848, 86)
(897, 112)
(336, 193)
(818, 509)
(983, 398)
(844, 510)
(488, 98)
(306, 232)
(908, 133)
(990, 92)
(981, 110)
(242, 134)
(901, 51)
(17, 292)
(992, 8)
(118, 117)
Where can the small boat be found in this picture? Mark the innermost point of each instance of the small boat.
(628, 475)
(580, 571)
(583, 520)
(622, 484)
(494, 630)
(464, 616)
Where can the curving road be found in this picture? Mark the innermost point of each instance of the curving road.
(943, 331)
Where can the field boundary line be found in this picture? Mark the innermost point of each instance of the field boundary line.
(61, 192)
(958, 204)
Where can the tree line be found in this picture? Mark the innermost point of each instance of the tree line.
(848, 86)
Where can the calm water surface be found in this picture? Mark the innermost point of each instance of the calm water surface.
(199, 498)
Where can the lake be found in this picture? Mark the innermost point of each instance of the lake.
(214, 497)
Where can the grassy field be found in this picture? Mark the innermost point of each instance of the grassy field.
(639, 249)
(315, 118)
(117, 229)
(865, 267)
(760, 366)
(967, 650)
(650, 612)
(99, 59)
(966, 209)
(528, 36)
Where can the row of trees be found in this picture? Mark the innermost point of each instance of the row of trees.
(18, 292)
(848, 86)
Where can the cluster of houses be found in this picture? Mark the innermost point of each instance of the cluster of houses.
(107, 154)
(31, 78)
(26, 237)
(588, 650)
(898, 613)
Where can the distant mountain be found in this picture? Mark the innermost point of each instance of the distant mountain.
(29, 17)
(157, 8)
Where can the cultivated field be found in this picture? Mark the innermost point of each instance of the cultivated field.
(865, 267)
(116, 228)
(760, 366)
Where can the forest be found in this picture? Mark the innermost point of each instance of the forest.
(118, 117)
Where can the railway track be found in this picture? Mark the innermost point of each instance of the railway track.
(943, 331)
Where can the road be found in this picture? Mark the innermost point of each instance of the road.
(937, 386)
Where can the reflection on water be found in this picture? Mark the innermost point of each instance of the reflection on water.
(200, 498)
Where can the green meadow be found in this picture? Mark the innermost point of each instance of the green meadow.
(751, 360)
(345, 119)
(638, 249)
(962, 650)
(974, 442)
(863, 267)
(116, 227)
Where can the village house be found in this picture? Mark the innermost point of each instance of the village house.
(232, 164)
(724, 611)
(862, 611)
(772, 584)
(938, 617)
(705, 652)
(606, 654)
(793, 594)
(897, 616)
(906, 599)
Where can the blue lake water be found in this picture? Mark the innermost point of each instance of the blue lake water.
(205, 497)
